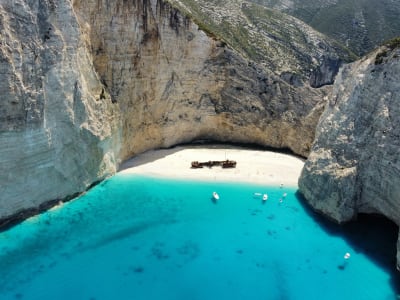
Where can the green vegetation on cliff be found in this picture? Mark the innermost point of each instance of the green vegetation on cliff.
(269, 37)
(361, 25)
(386, 49)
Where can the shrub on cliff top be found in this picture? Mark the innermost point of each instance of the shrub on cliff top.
(393, 43)
(386, 48)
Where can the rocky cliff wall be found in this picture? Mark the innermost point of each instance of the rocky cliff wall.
(354, 165)
(174, 83)
(86, 84)
(57, 136)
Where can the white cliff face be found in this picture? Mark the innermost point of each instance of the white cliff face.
(354, 164)
(55, 137)
(86, 84)
(152, 62)
(175, 84)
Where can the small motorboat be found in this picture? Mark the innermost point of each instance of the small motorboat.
(215, 196)
(265, 197)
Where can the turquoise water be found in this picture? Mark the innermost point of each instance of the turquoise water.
(143, 238)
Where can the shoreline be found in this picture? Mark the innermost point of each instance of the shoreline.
(257, 167)
(260, 167)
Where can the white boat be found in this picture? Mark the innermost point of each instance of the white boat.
(215, 196)
(265, 197)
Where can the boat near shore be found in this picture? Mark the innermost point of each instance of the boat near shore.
(215, 196)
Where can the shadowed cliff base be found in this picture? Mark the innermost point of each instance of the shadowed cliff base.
(208, 144)
(9, 221)
(354, 161)
(128, 76)
(20, 216)
(249, 146)
(375, 236)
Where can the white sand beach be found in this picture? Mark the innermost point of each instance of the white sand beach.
(253, 166)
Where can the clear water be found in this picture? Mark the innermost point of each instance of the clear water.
(143, 238)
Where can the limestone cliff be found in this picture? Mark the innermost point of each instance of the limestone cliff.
(175, 83)
(277, 41)
(86, 84)
(354, 164)
(57, 134)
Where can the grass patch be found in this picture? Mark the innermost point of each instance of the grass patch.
(361, 25)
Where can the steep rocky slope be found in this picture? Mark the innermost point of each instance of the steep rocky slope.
(354, 164)
(278, 41)
(56, 136)
(175, 83)
(361, 25)
(86, 84)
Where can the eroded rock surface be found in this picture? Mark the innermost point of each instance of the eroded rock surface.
(174, 83)
(354, 165)
(86, 84)
(57, 136)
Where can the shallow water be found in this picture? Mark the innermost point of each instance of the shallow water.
(137, 238)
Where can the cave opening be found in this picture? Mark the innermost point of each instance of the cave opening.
(372, 235)
(375, 236)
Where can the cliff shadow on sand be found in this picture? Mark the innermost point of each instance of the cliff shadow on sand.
(156, 154)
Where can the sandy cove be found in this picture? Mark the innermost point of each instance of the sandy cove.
(253, 166)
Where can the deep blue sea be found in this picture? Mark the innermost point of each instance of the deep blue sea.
(134, 237)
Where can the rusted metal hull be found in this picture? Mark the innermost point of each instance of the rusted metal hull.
(223, 163)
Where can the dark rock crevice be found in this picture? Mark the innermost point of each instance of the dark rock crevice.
(372, 235)
(325, 74)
